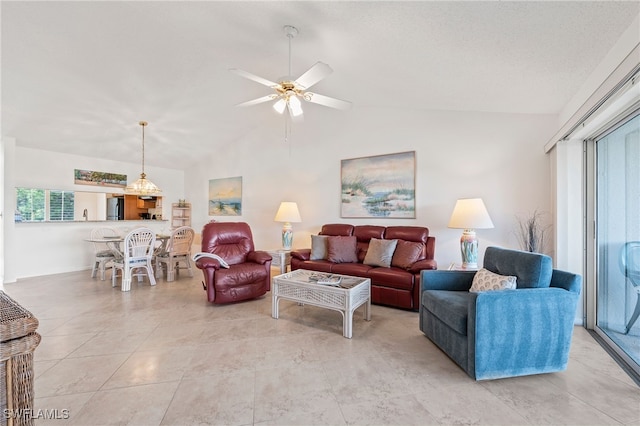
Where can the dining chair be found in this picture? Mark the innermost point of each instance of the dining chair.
(178, 252)
(137, 256)
(103, 253)
(630, 266)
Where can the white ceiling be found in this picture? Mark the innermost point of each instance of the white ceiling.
(78, 76)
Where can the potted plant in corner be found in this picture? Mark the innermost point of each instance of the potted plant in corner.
(531, 232)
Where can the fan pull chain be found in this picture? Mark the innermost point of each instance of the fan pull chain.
(287, 128)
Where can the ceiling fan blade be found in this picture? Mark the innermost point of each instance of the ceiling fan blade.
(313, 75)
(258, 101)
(254, 77)
(326, 101)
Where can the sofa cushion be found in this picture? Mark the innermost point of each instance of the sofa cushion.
(485, 280)
(353, 269)
(342, 249)
(336, 229)
(312, 265)
(364, 234)
(318, 247)
(380, 252)
(416, 234)
(407, 253)
(451, 307)
(249, 273)
(392, 277)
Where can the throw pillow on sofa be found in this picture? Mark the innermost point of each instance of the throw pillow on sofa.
(407, 253)
(485, 280)
(380, 252)
(318, 247)
(342, 249)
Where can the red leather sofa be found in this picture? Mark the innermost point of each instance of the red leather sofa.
(397, 285)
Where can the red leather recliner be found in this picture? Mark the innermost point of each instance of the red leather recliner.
(248, 275)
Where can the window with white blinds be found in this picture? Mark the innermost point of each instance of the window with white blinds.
(30, 205)
(61, 205)
(38, 205)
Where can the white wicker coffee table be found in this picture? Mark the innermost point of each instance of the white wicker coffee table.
(300, 286)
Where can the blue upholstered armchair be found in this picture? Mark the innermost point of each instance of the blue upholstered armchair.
(504, 333)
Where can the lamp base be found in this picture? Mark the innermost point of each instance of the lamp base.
(287, 236)
(469, 249)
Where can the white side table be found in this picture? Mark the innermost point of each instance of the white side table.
(458, 267)
(281, 258)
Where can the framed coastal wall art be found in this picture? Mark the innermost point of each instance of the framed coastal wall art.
(225, 196)
(90, 177)
(379, 186)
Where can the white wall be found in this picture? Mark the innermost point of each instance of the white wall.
(620, 52)
(34, 249)
(496, 156)
(568, 188)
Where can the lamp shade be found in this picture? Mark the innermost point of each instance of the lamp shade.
(142, 186)
(288, 212)
(470, 213)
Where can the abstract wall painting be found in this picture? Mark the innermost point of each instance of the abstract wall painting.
(381, 186)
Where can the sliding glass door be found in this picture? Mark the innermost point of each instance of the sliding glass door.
(618, 238)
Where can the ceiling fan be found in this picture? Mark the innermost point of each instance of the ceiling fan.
(289, 92)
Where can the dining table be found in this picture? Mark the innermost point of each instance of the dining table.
(114, 243)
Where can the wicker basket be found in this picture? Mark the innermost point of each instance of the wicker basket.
(18, 340)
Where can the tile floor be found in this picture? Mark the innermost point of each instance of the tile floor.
(163, 355)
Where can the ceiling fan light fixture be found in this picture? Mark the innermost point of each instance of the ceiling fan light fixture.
(295, 107)
(280, 105)
(142, 186)
(288, 91)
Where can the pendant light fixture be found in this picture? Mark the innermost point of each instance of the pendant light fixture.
(142, 186)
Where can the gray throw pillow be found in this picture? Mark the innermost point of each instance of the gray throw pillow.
(318, 247)
(380, 252)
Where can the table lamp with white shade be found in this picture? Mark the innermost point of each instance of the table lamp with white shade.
(287, 213)
(470, 214)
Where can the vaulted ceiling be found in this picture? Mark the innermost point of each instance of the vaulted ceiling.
(78, 76)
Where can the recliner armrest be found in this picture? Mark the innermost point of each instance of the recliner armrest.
(302, 254)
(422, 265)
(260, 257)
(446, 280)
(207, 262)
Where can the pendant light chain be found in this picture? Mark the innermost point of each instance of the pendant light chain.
(142, 186)
(143, 124)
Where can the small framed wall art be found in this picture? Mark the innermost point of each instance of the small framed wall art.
(225, 196)
(90, 177)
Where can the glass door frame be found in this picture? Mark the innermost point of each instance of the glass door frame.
(591, 247)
